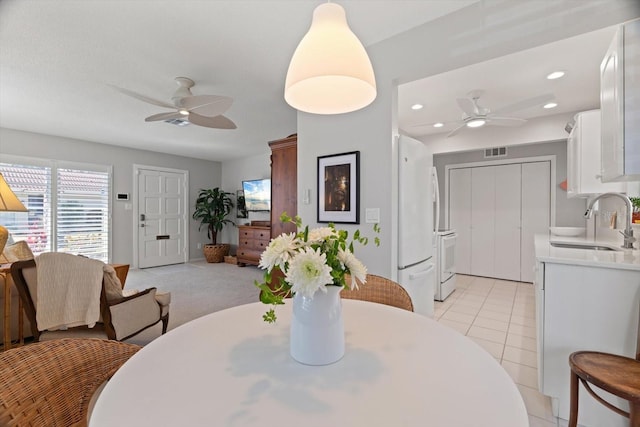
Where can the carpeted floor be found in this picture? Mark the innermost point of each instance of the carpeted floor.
(197, 289)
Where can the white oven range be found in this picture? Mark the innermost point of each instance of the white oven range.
(445, 262)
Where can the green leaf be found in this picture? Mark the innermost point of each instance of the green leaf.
(270, 316)
(284, 217)
(377, 241)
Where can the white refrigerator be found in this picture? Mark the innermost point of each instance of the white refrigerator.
(416, 235)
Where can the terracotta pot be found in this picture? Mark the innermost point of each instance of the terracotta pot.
(216, 253)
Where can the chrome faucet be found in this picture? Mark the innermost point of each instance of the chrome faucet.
(628, 231)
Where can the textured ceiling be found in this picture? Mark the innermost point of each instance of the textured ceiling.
(508, 80)
(58, 58)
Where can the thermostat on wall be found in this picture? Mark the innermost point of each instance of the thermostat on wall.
(122, 196)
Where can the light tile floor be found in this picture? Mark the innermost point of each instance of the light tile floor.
(499, 315)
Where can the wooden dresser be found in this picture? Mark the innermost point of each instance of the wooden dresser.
(252, 240)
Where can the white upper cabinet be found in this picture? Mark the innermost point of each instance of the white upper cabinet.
(620, 105)
(583, 158)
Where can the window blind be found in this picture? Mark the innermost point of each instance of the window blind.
(68, 203)
(82, 217)
(32, 185)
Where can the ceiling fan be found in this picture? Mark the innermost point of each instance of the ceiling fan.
(475, 115)
(201, 110)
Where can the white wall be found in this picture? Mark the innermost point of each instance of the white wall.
(476, 33)
(202, 174)
(233, 173)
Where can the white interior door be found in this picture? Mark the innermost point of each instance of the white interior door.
(506, 223)
(536, 208)
(162, 217)
(460, 216)
(483, 195)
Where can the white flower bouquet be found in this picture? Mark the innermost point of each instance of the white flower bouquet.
(310, 260)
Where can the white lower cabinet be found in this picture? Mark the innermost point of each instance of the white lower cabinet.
(583, 308)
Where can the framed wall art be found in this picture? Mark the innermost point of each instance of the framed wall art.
(339, 188)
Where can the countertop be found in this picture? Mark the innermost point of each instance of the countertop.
(625, 259)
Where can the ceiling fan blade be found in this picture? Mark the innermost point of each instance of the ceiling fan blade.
(467, 106)
(217, 122)
(142, 98)
(456, 130)
(206, 105)
(506, 121)
(165, 116)
(524, 104)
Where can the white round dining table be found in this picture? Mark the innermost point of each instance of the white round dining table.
(230, 368)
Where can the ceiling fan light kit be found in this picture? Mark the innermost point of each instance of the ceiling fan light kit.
(475, 115)
(476, 123)
(201, 110)
(330, 71)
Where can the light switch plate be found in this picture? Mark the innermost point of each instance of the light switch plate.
(372, 215)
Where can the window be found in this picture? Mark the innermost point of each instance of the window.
(68, 208)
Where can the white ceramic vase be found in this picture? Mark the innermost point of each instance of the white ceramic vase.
(317, 329)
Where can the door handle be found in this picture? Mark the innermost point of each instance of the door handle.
(421, 273)
(142, 217)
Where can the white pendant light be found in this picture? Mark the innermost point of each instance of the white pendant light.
(330, 72)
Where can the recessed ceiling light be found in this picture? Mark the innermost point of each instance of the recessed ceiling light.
(550, 105)
(417, 107)
(438, 125)
(183, 112)
(476, 123)
(555, 75)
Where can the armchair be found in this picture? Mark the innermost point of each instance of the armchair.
(122, 314)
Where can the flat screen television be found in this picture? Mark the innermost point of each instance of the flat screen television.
(257, 195)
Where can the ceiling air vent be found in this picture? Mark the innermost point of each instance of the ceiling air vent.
(178, 122)
(495, 152)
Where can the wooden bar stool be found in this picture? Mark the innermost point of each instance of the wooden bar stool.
(615, 374)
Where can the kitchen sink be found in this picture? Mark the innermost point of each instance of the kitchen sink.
(578, 245)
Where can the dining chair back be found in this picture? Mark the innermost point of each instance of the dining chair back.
(615, 374)
(51, 383)
(381, 290)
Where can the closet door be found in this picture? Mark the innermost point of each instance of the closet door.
(460, 216)
(536, 208)
(506, 221)
(483, 193)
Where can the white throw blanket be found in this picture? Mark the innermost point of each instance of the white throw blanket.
(68, 291)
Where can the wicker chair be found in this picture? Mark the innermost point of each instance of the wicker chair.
(51, 383)
(381, 290)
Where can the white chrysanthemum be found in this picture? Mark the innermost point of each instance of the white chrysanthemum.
(356, 268)
(280, 250)
(321, 233)
(308, 271)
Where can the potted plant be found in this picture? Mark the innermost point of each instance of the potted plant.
(212, 208)
(635, 201)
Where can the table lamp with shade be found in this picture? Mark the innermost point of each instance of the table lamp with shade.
(9, 202)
